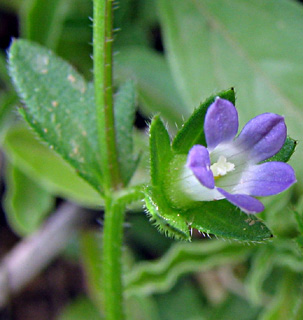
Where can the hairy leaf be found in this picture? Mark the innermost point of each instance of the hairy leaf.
(223, 219)
(59, 106)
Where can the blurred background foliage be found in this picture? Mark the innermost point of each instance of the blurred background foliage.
(179, 53)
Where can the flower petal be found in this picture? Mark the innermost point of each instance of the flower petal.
(198, 162)
(191, 187)
(221, 123)
(246, 203)
(266, 179)
(263, 136)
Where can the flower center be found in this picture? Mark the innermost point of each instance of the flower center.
(221, 167)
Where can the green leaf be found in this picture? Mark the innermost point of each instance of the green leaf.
(161, 275)
(155, 85)
(26, 202)
(125, 107)
(208, 47)
(285, 152)
(45, 167)
(59, 106)
(43, 20)
(192, 132)
(223, 219)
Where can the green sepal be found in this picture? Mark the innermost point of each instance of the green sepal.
(285, 152)
(166, 219)
(161, 213)
(192, 131)
(160, 151)
(223, 219)
(125, 109)
(60, 106)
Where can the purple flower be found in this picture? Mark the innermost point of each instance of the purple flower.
(229, 167)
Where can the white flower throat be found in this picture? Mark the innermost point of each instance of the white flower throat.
(221, 167)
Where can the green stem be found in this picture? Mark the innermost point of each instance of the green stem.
(103, 78)
(112, 242)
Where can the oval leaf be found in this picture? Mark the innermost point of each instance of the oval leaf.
(60, 106)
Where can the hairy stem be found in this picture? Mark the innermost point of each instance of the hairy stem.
(112, 275)
(103, 78)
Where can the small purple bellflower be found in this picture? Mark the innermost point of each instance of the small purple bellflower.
(230, 167)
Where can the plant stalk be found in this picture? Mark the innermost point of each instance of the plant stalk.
(103, 80)
(112, 267)
(114, 210)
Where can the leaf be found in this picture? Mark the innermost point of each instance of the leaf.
(125, 107)
(208, 47)
(192, 132)
(26, 202)
(156, 88)
(43, 21)
(159, 276)
(59, 106)
(45, 167)
(223, 219)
